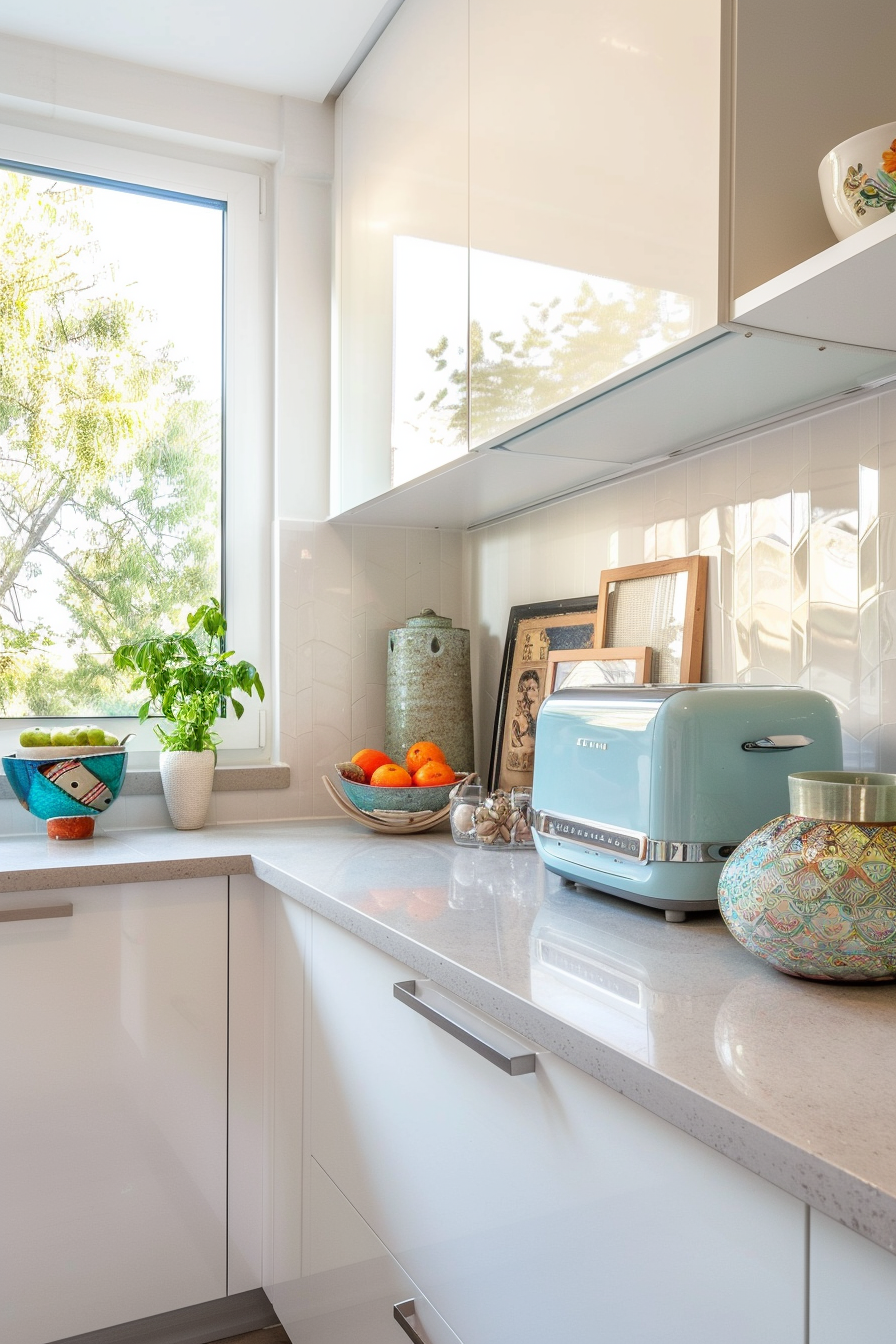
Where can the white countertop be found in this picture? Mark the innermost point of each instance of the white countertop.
(792, 1079)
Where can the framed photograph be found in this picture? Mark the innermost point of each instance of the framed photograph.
(597, 667)
(661, 604)
(533, 632)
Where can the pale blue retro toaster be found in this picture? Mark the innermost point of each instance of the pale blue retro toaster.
(644, 791)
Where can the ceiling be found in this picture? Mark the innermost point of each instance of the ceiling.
(298, 47)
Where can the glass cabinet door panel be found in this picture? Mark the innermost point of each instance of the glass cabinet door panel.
(594, 194)
(403, 264)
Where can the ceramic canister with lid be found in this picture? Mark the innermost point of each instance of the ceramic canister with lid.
(814, 892)
(429, 695)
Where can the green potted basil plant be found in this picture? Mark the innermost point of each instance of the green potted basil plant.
(189, 676)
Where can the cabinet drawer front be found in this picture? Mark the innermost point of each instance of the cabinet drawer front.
(349, 1284)
(534, 1207)
(852, 1285)
(113, 1038)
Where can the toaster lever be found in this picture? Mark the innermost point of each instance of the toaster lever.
(778, 742)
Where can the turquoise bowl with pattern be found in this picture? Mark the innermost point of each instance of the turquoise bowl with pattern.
(813, 893)
(425, 798)
(70, 786)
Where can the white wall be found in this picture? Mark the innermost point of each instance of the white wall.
(800, 527)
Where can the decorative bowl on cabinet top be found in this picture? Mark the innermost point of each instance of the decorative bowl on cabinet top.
(814, 893)
(858, 180)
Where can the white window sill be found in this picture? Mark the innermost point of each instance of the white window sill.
(228, 779)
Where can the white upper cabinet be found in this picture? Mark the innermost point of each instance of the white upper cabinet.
(402, 141)
(594, 190)
(590, 233)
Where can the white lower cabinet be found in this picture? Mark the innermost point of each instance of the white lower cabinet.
(852, 1285)
(329, 1277)
(350, 1285)
(535, 1207)
(113, 1106)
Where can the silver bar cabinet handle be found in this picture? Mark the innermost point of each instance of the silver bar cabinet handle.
(37, 912)
(511, 1061)
(778, 742)
(403, 1311)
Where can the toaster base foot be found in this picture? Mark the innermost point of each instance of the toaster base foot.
(676, 916)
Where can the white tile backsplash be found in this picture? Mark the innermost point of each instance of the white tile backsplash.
(800, 526)
(361, 582)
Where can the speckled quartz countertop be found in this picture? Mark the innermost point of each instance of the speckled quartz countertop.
(793, 1080)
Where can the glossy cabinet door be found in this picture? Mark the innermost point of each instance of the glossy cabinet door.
(852, 1285)
(113, 1126)
(594, 194)
(542, 1206)
(329, 1277)
(402, 158)
(350, 1284)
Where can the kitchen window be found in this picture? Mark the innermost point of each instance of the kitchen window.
(133, 476)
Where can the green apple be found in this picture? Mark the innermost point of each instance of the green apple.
(29, 737)
(96, 737)
(109, 740)
(61, 737)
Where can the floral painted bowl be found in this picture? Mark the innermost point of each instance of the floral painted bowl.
(814, 893)
(68, 787)
(414, 798)
(858, 180)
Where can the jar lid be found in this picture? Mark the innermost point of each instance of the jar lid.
(843, 795)
(429, 618)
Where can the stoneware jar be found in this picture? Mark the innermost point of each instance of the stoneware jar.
(428, 692)
(187, 779)
(814, 892)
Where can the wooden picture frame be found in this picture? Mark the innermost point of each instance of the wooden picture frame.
(532, 630)
(635, 661)
(651, 604)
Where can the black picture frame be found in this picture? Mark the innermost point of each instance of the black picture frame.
(566, 606)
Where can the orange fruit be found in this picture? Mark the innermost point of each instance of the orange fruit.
(434, 772)
(420, 753)
(370, 760)
(391, 776)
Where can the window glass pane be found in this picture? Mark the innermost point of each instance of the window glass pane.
(111, 330)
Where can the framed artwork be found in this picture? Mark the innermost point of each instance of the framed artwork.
(597, 667)
(661, 604)
(533, 631)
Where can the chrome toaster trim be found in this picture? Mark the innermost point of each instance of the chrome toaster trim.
(631, 845)
(634, 846)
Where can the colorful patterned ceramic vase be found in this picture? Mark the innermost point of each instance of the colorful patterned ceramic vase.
(814, 893)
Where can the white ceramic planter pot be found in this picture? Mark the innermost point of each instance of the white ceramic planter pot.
(187, 778)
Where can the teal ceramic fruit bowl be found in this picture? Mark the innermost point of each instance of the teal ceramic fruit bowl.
(70, 788)
(368, 798)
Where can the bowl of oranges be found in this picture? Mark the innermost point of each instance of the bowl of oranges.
(375, 783)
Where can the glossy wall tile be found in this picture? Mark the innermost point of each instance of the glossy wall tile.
(800, 527)
(341, 590)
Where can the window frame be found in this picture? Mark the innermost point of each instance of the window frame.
(247, 459)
